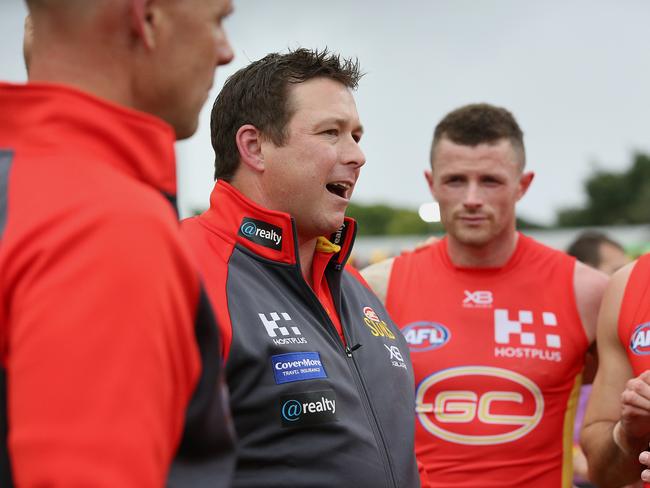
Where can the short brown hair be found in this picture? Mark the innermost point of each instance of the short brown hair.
(480, 123)
(259, 95)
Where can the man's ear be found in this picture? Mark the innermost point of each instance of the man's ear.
(144, 14)
(428, 175)
(249, 144)
(524, 183)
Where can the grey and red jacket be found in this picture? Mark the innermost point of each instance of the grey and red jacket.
(309, 410)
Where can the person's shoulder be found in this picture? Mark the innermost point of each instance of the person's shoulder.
(615, 291)
(377, 277)
(590, 279)
(534, 247)
(619, 280)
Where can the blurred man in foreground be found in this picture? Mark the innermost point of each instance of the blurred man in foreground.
(105, 333)
(498, 325)
(320, 378)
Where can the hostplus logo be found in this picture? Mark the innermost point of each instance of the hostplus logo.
(310, 408)
(522, 336)
(261, 233)
(281, 329)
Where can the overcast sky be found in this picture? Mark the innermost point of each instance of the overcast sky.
(576, 74)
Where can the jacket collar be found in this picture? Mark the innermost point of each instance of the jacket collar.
(266, 233)
(44, 116)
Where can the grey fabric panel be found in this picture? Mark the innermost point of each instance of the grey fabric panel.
(6, 479)
(368, 444)
(6, 158)
(206, 456)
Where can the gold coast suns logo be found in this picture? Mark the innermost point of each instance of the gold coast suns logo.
(478, 405)
(377, 327)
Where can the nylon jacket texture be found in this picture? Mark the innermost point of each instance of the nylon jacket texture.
(309, 411)
(105, 333)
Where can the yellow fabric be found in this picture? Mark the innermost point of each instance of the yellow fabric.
(567, 433)
(324, 245)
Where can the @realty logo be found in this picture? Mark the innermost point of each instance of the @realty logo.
(261, 233)
(309, 408)
(249, 229)
(291, 410)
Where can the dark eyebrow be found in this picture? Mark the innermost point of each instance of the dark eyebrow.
(340, 122)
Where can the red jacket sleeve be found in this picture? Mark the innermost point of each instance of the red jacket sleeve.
(101, 359)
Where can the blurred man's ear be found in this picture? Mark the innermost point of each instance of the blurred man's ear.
(143, 16)
(428, 175)
(28, 39)
(524, 183)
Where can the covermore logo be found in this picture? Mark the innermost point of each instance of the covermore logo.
(478, 405)
(640, 342)
(261, 233)
(309, 408)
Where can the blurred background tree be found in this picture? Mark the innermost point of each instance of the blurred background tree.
(613, 198)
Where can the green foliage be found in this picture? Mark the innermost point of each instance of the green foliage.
(524, 224)
(377, 220)
(614, 198)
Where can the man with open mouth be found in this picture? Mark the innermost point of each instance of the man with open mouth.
(320, 378)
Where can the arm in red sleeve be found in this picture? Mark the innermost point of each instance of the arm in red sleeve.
(102, 359)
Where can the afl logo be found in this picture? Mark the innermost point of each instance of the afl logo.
(248, 228)
(640, 342)
(478, 405)
(425, 336)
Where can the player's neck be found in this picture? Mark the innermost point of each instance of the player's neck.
(493, 254)
(306, 250)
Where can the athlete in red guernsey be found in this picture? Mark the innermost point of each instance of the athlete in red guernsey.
(617, 422)
(498, 324)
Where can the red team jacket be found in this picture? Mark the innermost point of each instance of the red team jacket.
(497, 355)
(96, 288)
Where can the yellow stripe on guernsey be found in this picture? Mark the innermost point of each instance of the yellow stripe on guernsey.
(324, 245)
(567, 433)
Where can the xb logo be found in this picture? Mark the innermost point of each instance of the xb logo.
(248, 228)
(395, 353)
(479, 298)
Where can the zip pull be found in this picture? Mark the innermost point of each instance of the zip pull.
(349, 350)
